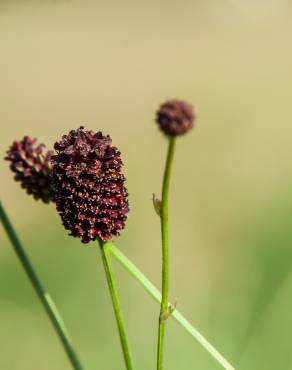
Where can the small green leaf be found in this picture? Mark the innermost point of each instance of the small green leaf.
(156, 204)
(167, 312)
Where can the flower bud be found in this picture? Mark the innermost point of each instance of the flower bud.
(175, 117)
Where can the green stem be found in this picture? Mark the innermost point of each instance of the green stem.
(154, 292)
(104, 246)
(43, 295)
(164, 309)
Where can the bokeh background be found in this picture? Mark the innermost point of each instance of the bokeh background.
(108, 65)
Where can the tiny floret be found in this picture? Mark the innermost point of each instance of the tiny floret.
(30, 162)
(91, 197)
(175, 117)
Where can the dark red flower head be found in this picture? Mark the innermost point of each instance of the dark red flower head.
(175, 117)
(30, 162)
(90, 193)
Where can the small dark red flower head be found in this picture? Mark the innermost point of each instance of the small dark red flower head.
(30, 162)
(175, 117)
(90, 194)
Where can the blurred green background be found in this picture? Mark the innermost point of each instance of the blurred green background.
(108, 65)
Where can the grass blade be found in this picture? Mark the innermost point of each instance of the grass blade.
(155, 293)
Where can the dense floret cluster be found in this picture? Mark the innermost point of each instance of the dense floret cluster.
(30, 162)
(175, 117)
(90, 193)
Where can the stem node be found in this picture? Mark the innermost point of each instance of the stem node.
(164, 314)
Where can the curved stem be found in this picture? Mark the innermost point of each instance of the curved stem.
(43, 295)
(105, 252)
(164, 309)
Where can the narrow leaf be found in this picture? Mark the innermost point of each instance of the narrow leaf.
(154, 292)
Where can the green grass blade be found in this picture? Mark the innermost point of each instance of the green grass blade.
(41, 292)
(155, 293)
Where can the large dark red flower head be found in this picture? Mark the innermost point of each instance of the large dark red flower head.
(30, 162)
(175, 117)
(90, 193)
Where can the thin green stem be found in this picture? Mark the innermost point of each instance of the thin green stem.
(43, 295)
(104, 246)
(176, 315)
(164, 309)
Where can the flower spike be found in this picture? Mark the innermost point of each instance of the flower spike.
(30, 162)
(90, 194)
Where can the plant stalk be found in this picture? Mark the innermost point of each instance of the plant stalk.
(43, 295)
(176, 315)
(106, 258)
(164, 307)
